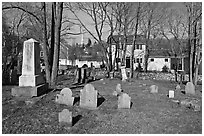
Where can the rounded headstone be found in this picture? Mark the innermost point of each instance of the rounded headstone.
(178, 87)
(153, 89)
(190, 88)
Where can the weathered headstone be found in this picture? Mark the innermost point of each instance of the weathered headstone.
(77, 76)
(171, 94)
(124, 101)
(178, 87)
(118, 90)
(65, 97)
(88, 97)
(153, 89)
(190, 88)
(123, 71)
(65, 117)
(82, 75)
(31, 82)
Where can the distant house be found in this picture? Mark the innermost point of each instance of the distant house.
(158, 58)
(160, 55)
(139, 52)
(84, 58)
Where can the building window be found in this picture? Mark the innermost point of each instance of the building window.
(166, 60)
(138, 60)
(151, 60)
(139, 46)
(41, 54)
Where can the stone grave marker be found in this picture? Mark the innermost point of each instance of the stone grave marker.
(82, 75)
(76, 72)
(124, 101)
(123, 71)
(171, 94)
(65, 97)
(153, 89)
(65, 117)
(178, 87)
(88, 97)
(118, 90)
(31, 82)
(190, 88)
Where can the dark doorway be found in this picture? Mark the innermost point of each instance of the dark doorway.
(127, 62)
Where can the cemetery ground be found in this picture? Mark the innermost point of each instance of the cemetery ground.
(149, 113)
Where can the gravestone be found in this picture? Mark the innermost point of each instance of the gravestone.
(190, 88)
(124, 101)
(178, 87)
(88, 97)
(171, 94)
(65, 97)
(153, 89)
(82, 75)
(77, 77)
(118, 90)
(65, 117)
(123, 71)
(31, 82)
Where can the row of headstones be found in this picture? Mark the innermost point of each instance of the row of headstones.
(88, 99)
(189, 89)
(81, 75)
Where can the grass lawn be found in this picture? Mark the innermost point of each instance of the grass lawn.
(149, 114)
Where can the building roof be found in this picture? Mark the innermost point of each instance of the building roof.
(115, 39)
(165, 53)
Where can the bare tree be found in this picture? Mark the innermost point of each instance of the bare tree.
(152, 15)
(194, 11)
(41, 16)
(98, 15)
(138, 16)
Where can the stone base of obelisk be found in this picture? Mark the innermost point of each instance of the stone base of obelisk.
(31, 80)
(29, 91)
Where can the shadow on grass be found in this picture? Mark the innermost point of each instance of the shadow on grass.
(100, 101)
(76, 119)
(76, 99)
(131, 103)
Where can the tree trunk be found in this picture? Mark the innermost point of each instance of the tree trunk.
(52, 44)
(45, 45)
(134, 42)
(148, 39)
(59, 9)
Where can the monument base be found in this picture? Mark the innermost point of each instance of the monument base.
(29, 91)
(30, 80)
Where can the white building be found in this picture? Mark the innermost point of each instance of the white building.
(139, 51)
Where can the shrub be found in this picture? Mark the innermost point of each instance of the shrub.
(165, 69)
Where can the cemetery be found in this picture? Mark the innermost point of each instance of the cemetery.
(137, 80)
(106, 105)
